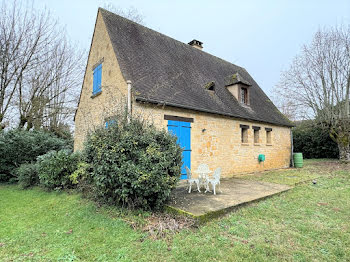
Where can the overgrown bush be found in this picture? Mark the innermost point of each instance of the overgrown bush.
(27, 175)
(18, 147)
(313, 141)
(133, 164)
(56, 167)
(80, 174)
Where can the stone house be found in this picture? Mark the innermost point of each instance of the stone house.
(219, 113)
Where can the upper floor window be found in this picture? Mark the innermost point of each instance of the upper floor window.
(244, 95)
(97, 76)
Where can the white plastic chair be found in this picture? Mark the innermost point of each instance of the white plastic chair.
(191, 180)
(203, 168)
(203, 171)
(215, 180)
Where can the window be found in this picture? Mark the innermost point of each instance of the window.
(268, 136)
(210, 86)
(244, 133)
(97, 76)
(256, 134)
(110, 122)
(244, 95)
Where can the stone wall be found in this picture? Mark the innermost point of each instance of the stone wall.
(216, 140)
(92, 112)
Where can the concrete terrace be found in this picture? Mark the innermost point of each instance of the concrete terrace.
(235, 192)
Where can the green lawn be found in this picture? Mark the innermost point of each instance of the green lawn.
(313, 168)
(307, 223)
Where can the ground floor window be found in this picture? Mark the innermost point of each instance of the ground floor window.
(244, 133)
(256, 134)
(268, 135)
(109, 121)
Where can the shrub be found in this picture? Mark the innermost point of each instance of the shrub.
(27, 175)
(133, 164)
(81, 179)
(18, 147)
(80, 174)
(313, 141)
(55, 168)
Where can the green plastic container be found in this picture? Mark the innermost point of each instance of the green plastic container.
(261, 158)
(298, 160)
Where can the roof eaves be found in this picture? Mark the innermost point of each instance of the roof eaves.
(153, 101)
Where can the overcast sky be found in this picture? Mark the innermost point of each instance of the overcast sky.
(262, 36)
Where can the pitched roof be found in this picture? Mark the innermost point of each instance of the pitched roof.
(166, 71)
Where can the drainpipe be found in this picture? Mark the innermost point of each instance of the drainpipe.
(129, 100)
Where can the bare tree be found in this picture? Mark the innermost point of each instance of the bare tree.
(287, 108)
(318, 84)
(40, 70)
(131, 13)
(48, 96)
(21, 35)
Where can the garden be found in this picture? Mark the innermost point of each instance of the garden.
(106, 203)
(307, 223)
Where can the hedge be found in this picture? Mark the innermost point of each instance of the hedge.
(313, 141)
(19, 146)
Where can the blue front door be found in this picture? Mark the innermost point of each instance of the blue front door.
(183, 132)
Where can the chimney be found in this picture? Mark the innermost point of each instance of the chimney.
(196, 44)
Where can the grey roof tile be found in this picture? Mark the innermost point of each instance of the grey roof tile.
(166, 71)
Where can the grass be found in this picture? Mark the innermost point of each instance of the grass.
(294, 176)
(307, 223)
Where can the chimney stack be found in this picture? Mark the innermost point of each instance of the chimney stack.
(196, 44)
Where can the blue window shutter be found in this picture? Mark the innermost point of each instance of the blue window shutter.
(94, 82)
(99, 72)
(110, 123)
(97, 77)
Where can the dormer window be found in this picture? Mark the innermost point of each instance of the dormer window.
(239, 88)
(210, 86)
(244, 95)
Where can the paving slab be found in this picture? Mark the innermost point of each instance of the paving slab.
(235, 192)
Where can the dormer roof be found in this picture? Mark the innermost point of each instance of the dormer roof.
(236, 78)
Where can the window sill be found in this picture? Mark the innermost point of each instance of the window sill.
(245, 105)
(268, 144)
(96, 94)
(245, 144)
(256, 144)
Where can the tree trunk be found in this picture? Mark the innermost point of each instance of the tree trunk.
(344, 152)
(22, 121)
(2, 125)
